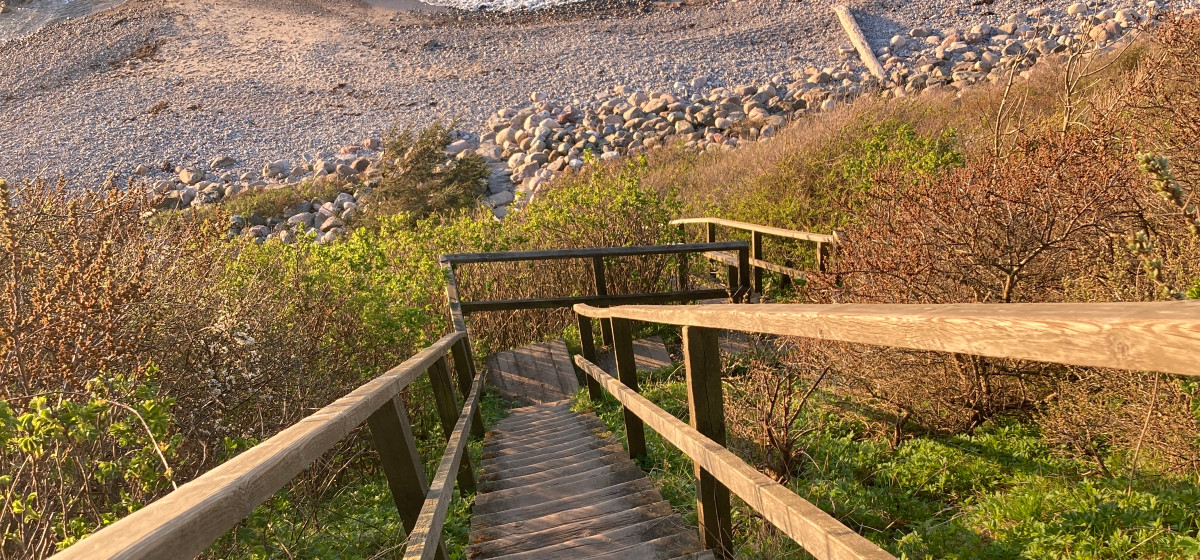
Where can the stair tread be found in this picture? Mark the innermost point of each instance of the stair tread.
(638, 491)
(567, 525)
(622, 539)
(503, 482)
(550, 490)
(490, 473)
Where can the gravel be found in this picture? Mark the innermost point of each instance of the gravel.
(192, 80)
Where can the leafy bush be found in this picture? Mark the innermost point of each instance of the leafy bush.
(418, 180)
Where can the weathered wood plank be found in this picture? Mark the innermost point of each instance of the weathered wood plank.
(818, 532)
(567, 487)
(640, 490)
(587, 513)
(562, 364)
(510, 256)
(566, 526)
(464, 368)
(860, 42)
(635, 434)
(565, 302)
(401, 463)
(187, 521)
(1155, 336)
(447, 408)
(706, 407)
(423, 539)
(610, 541)
(744, 226)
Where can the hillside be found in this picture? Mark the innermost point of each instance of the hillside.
(142, 348)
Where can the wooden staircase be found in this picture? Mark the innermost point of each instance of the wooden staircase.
(556, 484)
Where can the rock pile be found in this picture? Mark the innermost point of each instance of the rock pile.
(529, 146)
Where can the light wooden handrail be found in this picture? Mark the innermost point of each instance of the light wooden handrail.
(768, 230)
(423, 539)
(818, 532)
(1155, 336)
(187, 521)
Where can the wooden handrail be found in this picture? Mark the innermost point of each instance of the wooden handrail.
(825, 244)
(187, 521)
(1155, 336)
(553, 254)
(423, 539)
(818, 532)
(768, 230)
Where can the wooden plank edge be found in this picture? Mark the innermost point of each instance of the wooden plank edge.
(565, 302)
(424, 538)
(1150, 336)
(819, 533)
(766, 230)
(187, 521)
(553, 254)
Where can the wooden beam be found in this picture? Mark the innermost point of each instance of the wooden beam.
(464, 368)
(706, 408)
(731, 260)
(860, 42)
(462, 258)
(818, 532)
(602, 291)
(185, 522)
(447, 407)
(567, 302)
(711, 224)
(1155, 336)
(756, 254)
(452, 297)
(635, 434)
(428, 529)
(587, 343)
(402, 464)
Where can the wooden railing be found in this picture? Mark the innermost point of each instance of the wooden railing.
(1163, 337)
(825, 245)
(187, 521)
(737, 291)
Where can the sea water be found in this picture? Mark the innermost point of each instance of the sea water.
(31, 15)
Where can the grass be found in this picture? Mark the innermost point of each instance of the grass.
(1000, 492)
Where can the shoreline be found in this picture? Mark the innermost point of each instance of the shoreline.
(184, 81)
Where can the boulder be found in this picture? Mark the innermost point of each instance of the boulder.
(222, 162)
(191, 176)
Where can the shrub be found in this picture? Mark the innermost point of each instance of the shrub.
(418, 180)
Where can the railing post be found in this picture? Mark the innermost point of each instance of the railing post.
(587, 343)
(602, 290)
(822, 256)
(635, 432)
(785, 281)
(743, 277)
(710, 232)
(681, 261)
(702, 356)
(464, 368)
(405, 472)
(448, 411)
(756, 250)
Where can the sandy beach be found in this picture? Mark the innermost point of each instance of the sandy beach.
(188, 80)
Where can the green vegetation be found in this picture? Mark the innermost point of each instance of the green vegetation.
(137, 355)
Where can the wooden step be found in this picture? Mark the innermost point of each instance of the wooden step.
(565, 487)
(639, 491)
(540, 442)
(529, 429)
(545, 522)
(588, 442)
(497, 464)
(622, 539)
(545, 475)
(565, 526)
(536, 466)
(557, 484)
